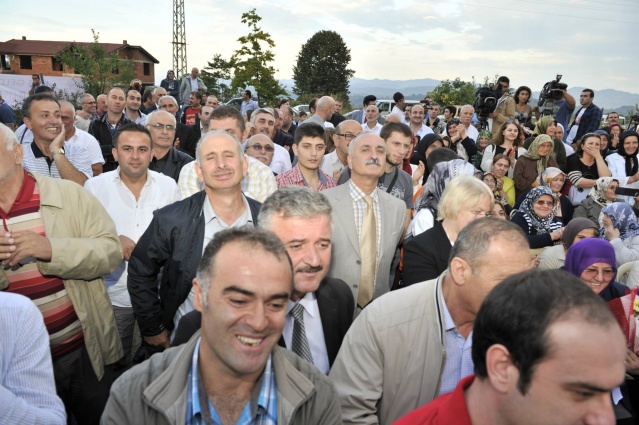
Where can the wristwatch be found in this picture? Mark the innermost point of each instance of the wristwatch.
(56, 151)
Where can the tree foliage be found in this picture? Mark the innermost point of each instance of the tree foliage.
(216, 75)
(322, 66)
(251, 63)
(98, 69)
(455, 92)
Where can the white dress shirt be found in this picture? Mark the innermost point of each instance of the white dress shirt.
(331, 163)
(313, 328)
(377, 129)
(89, 143)
(423, 131)
(131, 216)
(281, 160)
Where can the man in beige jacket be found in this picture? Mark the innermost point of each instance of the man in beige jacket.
(412, 345)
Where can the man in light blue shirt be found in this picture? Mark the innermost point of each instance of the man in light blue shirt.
(248, 104)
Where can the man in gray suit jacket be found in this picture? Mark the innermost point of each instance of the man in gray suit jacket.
(323, 111)
(366, 159)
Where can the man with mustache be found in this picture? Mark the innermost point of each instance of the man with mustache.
(174, 241)
(261, 148)
(301, 218)
(368, 222)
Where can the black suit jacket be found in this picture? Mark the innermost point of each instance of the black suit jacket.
(175, 160)
(197, 132)
(336, 306)
(188, 142)
(426, 255)
(150, 109)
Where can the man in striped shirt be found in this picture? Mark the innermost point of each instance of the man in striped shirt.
(56, 243)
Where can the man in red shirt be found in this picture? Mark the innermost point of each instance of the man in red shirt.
(547, 350)
(190, 113)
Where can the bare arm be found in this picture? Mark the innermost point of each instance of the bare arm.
(570, 101)
(65, 168)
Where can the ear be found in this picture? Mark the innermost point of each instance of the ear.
(244, 166)
(27, 122)
(198, 171)
(18, 152)
(335, 140)
(502, 373)
(349, 159)
(295, 149)
(459, 270)
(198, 299)
(114, 151)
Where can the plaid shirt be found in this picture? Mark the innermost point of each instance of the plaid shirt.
(589, 121)
(294, 177)
(264, 414)
(359, 206)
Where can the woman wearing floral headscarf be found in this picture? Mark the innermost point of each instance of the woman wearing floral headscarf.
(535, 217)
(484, 138)
(530, 166)
(554, 178)
(548, 125)
(426, 206)
(619, 226)
(601, 195)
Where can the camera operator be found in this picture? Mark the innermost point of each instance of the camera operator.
(563, 109)
(505, 107)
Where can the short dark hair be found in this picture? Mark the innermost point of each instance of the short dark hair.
(519, 311)
(503, 79)
(131, 128)
(368, 99)
(395, 127)
(441, 154)
(26, 105)
(227, 111)
(35, 75)
(518, 92)
(397, 97)
(148, 94)
(249, 236)
(312, 104)
(452, 109)
(592, 93)
(43, 89)
(248, 92)
(308, 130)
(197, 95)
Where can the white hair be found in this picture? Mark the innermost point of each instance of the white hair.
(8, 137)
(157, 111)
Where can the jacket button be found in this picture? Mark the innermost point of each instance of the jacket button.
(355, 286)
(358, 262)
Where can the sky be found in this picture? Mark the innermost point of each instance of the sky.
(590, 42)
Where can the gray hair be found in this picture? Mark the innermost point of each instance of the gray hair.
(351, 145)
(475, 239)
(213, 133)
(467, 107)
(260, 111)
(251, 238)
(293, 201)
(8, 137)
(168, 96)
(462, 192)
(158, 111)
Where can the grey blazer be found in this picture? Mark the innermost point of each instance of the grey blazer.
(345, 258)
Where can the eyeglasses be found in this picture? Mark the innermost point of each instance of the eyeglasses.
(158, 126)
(590, 273)
(541, 203)
(347, 136)
(257, 147)
(478, 213)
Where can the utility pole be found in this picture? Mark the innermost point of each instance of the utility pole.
(179, 39)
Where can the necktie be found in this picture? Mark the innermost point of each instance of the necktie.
(300, 343)
(368, 252)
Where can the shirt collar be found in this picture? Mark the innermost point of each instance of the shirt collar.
(448, 319)
(309, 302)
(150, 178)
(358, 194)
(209, 213)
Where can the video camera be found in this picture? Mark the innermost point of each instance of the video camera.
(552, 92)
(486, 99)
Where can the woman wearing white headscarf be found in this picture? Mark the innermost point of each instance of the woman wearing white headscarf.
(601, 195)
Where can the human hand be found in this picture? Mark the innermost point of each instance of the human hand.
(535, 262)
(609, 229)
(159, 340)
(499, 184)
(557, 234)
(58, 142)
(462, 132)
(419, 173)
(615, 141)
(17, 245)
(176, 144)
(492, 115)
(127, 246)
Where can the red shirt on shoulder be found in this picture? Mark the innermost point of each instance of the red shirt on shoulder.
(449, 409)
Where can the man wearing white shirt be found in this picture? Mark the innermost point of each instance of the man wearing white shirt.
(400, 104)
(132, 109)
(417, 122)
(466, 118)
(334, 162)
(76, 139)
(371, 125)
(130, 194)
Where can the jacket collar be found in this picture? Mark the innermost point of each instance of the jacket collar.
(49, 193)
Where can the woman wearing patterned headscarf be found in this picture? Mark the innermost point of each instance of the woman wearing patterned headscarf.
(426, 209)
(601, 195)
(530, 166)
(619, 226)
(535, 217)
(548, 125)
(554, 178)
(579, 228)
(484, 138)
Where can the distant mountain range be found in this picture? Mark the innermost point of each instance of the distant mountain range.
(608, 99)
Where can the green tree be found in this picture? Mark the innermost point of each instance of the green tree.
(455, 92)
(251, 63)
(322, 66)
(98, 69)
(216, 74)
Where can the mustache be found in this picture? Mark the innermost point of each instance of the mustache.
(309, 269)
(372, 161)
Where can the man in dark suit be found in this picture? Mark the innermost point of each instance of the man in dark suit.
(202, 126)
(184, 139)
(301, 219)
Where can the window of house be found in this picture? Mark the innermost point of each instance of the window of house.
(5, 62)
(25, 62)
(56, 65)
(147, 69)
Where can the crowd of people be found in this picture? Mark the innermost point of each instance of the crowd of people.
(167, 259)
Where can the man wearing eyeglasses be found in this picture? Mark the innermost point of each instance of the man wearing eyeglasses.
(104, 129)
(334, 162)
(261, 148)
(166, 159)
(85, 116)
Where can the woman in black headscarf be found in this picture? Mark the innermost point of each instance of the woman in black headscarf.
(424, 147)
